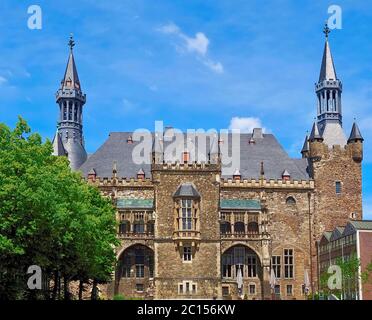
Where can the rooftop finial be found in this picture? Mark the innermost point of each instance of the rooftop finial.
(71, 42)
(326, 30)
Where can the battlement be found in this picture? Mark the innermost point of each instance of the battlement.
(268, 184)
(189, 166)
(319, 150)
(120, 182)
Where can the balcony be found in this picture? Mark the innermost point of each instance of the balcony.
(186, 235)
(240, 236)
(136, 235)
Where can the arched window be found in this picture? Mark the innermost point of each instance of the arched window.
(136, 261)
(240, 259)
(239, 227)
(290, 201)
(225, 227)
(253, 227)
(124, 227)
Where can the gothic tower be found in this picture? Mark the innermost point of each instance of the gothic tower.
(334, 162)
(69, 140)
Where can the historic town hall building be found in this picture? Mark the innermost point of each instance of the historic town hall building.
(191, 228)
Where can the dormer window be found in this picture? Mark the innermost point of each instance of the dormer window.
(251, 141)
(237, 175)
(286, 176)
(140, 174)
(92, 175)
(129, 140)
(186, 157)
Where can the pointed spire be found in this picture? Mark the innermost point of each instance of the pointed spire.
(71, 78)
(305, 147)
(327, 70)
(157, 144)
(214, 152)
(315, 135)
(355, 134)
(58, 148)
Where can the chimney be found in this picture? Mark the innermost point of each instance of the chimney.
(257, 133)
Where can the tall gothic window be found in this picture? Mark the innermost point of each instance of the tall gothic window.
(64, 111)
(288, 263)
(186, 214)
(275, 263)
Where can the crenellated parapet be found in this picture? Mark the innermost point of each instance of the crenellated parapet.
(187, 167)
(120, 182)
(268, 184)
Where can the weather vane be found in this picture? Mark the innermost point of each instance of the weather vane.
(326, 30)
(71, 42)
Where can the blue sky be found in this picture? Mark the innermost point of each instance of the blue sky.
(192, 64)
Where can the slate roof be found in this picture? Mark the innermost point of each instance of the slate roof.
(327, 70)
(265, 149)
(187, 190)
(355, 134)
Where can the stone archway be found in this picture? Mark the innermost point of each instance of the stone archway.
(241, 258)
(135, 271)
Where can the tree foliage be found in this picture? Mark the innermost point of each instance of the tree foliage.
(50, 217)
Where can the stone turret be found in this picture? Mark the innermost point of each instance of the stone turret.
(355, 142)
(316, 146)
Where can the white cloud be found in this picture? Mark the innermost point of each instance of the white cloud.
(215, 66)
(3, 80)
(245, 124)
(197, 44)
(170, 28)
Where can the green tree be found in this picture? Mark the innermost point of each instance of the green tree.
(50, 217)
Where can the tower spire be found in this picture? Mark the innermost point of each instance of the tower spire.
(328, 91)
(327, 70)
(71, 100)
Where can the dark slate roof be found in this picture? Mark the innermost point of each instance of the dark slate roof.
(249, 204)
(327, 70)
(337, 233)
(265, 149)
(355, 134)
(315, 135)
(58, 148)
(305, 147)
(186, 190)
(124, 203)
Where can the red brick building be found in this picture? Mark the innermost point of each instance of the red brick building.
(353, 240)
